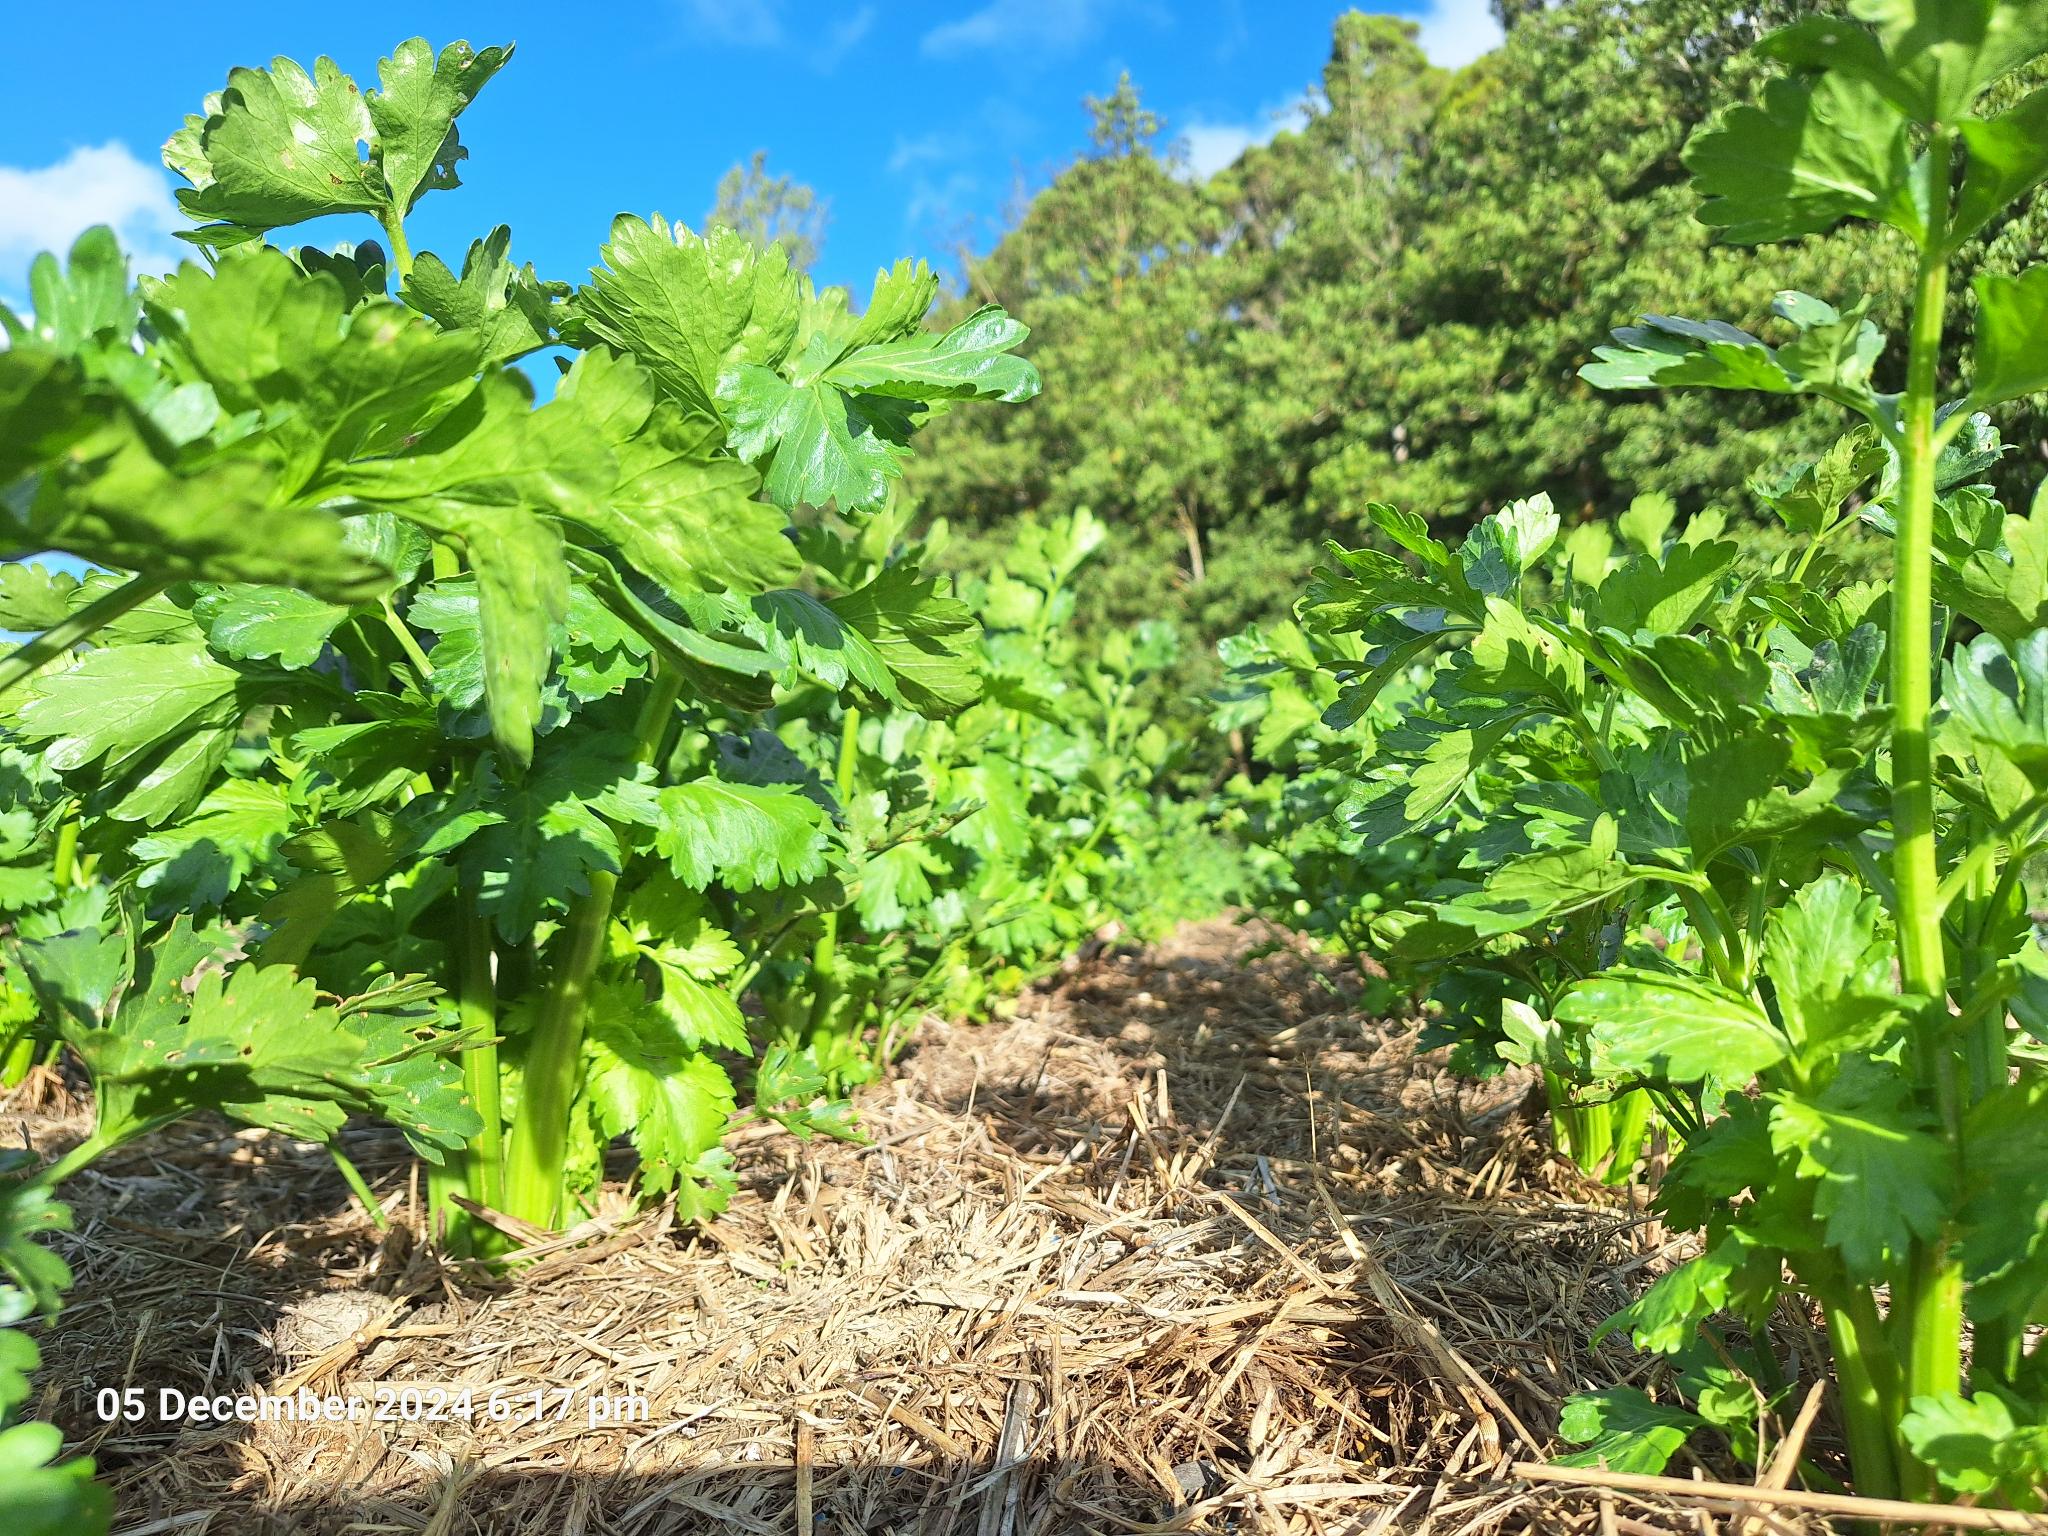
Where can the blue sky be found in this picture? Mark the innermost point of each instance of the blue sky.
(923, 124)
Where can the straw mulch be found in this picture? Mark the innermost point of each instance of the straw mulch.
(1186, 1244)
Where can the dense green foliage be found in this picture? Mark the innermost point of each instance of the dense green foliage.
(549, 778)
(1727, 835)
(1390, 302)
(426, 751)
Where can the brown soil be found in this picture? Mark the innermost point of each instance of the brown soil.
(1186, 1244)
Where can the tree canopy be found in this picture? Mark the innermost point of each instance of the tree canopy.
(1390, 301)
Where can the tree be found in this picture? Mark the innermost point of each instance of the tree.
(1390, 301)
(772, 210)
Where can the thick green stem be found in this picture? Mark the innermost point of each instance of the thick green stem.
(64, 861)
(1915, 876)
(536, 1153)
(1869, 1415)
(401, 249)
(1603, 1139)
(1927, 1309)
(59, 638)
(478, 1171)
(825, 989)
(478, 1007)
(19, 1055)
(95, 1146)
(1989, 896)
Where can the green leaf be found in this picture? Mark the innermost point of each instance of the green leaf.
(44, 1496)
(1833, 356)
(2011, 358)
(1663, 595)
(666, 916)
(793, 1087)
(681, 509)
(1665, 350)
(1998, 700)
(276, 147)
(1001, 828)
(1623, 1430)
(927, 638)
(1940, 55)
(201, 860)
(895, 884)
(480, 479)
(88, 300)
(522, 588)
(901, 298)
(703, 1014)
(1816, 152)
(1562, 880)
(1366, 582)
(113, 492)
(257, 1046)
(1647, 523)
(2004, 588)
(2004, 1207)
(77, 972)
(509, 308)
(2007, 158)
(645, 1082)
(822, 447)
(831, 426)
(1835, 353)
(414, 114)
(1744, 789)
(690, 309)
(555, 833)
(410, 1078)
(26, 1212)
(1679, 1028)
(1976, 1445)
(971, 361)
(1830, 963)
(742, 835)
(363, 763)
(1665, 1319)
(1430, 785)
(1809, 499)
(329, 383)
(1521, 894)
(18, 1353)
(255, 623)
(33, 598)
(156, 717)
(721, 668)
(1514, 655)
(1883, 1171)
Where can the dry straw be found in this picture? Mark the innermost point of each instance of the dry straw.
(1187, 1245)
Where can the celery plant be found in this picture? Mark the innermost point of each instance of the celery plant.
(445, 681)
(1738, 849)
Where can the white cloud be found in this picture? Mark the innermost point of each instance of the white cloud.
(45, 208)
(760, 24)
(1207, 148)
(842, 40)
(1035, 26)
(1455, 32)
(740, 23)
(1212, 146)
(927, 149)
